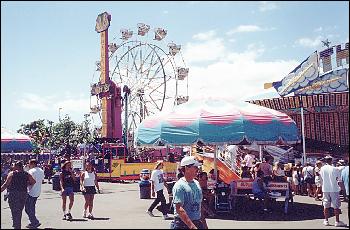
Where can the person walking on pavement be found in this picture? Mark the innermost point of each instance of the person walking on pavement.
(318, 180)
(88, 183)
(157, 186)
(16, 183)
(330, 179)
(67, 181)
(345, 179)
(187, 197)
(33, 193)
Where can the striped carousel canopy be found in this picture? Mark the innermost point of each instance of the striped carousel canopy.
(217, 121)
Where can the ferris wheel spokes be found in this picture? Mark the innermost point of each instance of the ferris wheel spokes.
(152, 74)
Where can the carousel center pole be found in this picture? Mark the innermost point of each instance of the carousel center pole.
(303, 134)
(215, 163)
(260, 153)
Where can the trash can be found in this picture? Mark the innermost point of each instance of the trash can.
(56, 182)
(144, 174)
(145, 189)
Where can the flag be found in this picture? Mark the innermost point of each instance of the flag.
(300, 77)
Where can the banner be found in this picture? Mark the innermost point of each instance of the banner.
(325, 63)
(300, 77)
(335, 81)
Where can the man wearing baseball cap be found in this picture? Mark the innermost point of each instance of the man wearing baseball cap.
(330, 178)
(187, 197)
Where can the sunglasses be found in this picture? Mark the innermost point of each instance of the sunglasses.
(191, 165)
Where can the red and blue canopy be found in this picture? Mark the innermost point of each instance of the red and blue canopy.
(217, 121)
(14, 142)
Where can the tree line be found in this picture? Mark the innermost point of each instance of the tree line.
(63, 136)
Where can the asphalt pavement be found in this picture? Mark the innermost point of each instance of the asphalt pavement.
(119, 206)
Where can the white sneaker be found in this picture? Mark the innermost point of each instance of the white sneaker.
(90, 216)
(340, 224)
(326, 223)
(166, 217)
(150, 213)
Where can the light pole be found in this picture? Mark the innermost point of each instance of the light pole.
(86, 115)
(86, 141)
(59, 114)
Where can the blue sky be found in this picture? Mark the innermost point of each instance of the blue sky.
(49, 49)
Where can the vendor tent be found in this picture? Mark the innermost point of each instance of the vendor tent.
(14, 142)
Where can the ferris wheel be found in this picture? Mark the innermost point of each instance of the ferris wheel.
(151, 72)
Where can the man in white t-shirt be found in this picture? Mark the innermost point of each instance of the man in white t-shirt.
(33, 193)
(249, 159)
(330, 178)
(157, 186)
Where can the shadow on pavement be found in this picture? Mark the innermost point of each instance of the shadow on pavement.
(129, 190)
(105, 192)
(74, 219)
(253, 211)
(100, 218)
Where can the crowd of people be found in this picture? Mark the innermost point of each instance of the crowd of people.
(327, 180)
(192, 201)
(23, 186)
(304, 180)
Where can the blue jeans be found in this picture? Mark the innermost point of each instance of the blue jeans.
(177, 223)
(160, 198)
(30, 209)
(17, 201)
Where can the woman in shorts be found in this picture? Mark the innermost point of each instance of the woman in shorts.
(88, 182)
(296, 180)
(67, 182)
(318, 180)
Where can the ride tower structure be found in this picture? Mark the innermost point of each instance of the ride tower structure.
(108, 92)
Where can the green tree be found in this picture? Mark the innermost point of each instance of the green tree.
(65, 134)
(39, 132)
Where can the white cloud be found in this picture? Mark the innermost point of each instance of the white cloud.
(205, 35)
(316, 42)
(237, 80)
(51, 103)
(248, 28)
(34, 102)
(232, 40)
(230, 74)
(209, 50)
(309, 42)
(319, 29)
(74, 105)
(165, 12)
(266, 6)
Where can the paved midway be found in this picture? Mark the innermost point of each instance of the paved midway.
(119, 206)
